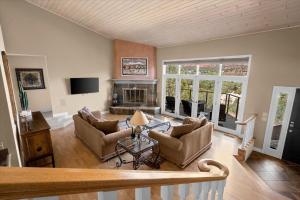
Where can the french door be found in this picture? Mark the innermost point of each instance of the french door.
(278, 120)
(220, 100)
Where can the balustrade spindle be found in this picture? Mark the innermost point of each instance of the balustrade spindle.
(167, 192)
(143, 193)
(111, 195)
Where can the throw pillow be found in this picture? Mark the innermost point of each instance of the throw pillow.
(107, 127)
(181, 130)
(84, 114)
(203, 121)
(87, 115)
(92, 119)
(79, 113)
(198, 122)
(188, 120)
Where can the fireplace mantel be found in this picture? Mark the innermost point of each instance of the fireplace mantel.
(134, 81)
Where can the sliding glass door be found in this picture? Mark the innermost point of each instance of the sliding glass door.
(170, 95)
(215, 89)
(230, 99)
(186, 99)
(206, 95)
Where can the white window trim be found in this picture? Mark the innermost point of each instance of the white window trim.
(218, 80)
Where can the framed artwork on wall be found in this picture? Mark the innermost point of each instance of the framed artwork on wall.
(134, 66)
(31, 78)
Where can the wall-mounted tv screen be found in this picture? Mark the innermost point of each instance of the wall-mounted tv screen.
(84, 85)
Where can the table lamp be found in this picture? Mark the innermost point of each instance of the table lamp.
(138, 119)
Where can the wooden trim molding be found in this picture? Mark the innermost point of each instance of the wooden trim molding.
(9, 84)
(18, 183)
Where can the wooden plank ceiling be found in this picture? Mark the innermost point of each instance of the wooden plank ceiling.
(163, 23)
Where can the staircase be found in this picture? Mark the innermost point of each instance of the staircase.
(57, 121)
(48, 183)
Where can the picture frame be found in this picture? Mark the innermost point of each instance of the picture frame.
(31, 78)
(134, 66)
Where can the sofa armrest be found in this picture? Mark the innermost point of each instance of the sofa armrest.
(113, 137)
(97, 114)
(166, 140)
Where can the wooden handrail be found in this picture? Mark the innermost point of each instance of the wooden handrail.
(247, 120)
(38, 182)
(204, 166)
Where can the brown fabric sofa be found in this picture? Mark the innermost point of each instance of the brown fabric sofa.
(102, 145)
(188, 147)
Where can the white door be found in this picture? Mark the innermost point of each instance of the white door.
(229, 105)
(278, 120)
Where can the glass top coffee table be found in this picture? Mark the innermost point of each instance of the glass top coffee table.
(153, 123)
(136, 147)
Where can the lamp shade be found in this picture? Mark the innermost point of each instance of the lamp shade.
(139, 119)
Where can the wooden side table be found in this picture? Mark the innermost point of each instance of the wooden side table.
(36, 142)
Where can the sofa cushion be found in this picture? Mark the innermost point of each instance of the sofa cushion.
(87, 115)
(181, 130)
(198, 122)
(107, 127)
(92, 119)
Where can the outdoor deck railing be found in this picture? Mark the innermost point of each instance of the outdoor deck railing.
(228, 98)
(48, 183)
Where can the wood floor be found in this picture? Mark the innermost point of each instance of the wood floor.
(279, 175)
(241, 183)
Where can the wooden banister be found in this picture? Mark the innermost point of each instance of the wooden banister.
(247, 120)
(204, 164)
(39, 182)
(247, 145)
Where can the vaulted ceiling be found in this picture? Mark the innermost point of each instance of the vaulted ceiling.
(164, 23)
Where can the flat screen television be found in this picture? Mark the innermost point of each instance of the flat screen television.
(84, 85)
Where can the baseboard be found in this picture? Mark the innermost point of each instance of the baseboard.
(257, 149)
(60, 114)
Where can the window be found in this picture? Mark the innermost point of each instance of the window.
(209, 69)
(215, 67)
(234, 69)
(172, 69)
(188, 69)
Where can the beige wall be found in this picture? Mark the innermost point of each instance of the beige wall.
(7, 127)
(275, 62)
(36, 103)
(71, 51)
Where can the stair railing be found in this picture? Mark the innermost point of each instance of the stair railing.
(49, 183)
(247, 144)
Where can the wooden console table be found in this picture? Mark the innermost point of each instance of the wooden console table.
(36, 142)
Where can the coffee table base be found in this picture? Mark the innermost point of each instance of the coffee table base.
(138, 160)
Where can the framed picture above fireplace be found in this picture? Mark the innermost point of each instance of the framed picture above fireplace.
(133, 66)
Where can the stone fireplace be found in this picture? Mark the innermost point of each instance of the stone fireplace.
(134, 92)
(130, 95)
